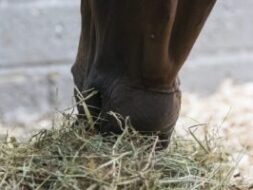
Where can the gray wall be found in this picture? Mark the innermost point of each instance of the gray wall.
(224, 49)
(38, 44)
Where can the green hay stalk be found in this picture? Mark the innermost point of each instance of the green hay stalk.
(70, 157)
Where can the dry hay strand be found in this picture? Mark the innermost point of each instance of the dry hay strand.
(71, 156)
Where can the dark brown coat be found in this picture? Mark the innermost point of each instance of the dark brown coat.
(130, 52)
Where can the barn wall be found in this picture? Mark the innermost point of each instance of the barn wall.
(38, 44)
(224, 49)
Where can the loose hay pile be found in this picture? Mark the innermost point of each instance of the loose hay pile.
(71, 158)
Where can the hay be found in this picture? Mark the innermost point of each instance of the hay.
(66, 157)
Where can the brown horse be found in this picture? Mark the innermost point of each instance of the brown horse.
(130, 52)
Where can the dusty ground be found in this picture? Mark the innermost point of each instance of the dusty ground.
(230, 108)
